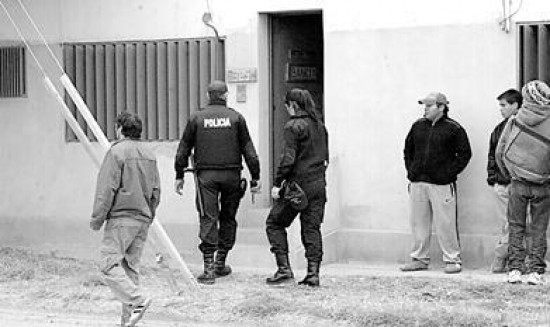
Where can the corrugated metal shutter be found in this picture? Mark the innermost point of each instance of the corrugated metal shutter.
(163, 81)
(534, 53)
(12, 72)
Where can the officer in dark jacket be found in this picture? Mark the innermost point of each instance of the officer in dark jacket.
(509, 102)
(436, 151)
(220, 139)
(304, 160)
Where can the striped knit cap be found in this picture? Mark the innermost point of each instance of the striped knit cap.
(536, 92)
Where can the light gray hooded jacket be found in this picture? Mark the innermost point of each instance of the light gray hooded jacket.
(523, 150)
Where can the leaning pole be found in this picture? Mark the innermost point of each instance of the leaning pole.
(167, 248)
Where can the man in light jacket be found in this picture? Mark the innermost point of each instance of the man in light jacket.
(126, 198)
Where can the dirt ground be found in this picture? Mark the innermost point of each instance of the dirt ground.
(44, 290)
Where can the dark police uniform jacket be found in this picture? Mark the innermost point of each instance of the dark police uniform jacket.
(436, 153)
(220, 138)
(304, 154)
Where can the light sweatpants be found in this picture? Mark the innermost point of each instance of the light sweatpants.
(123, 243)
(430, 203)
(501, 206)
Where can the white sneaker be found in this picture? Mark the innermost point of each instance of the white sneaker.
(534, 278)
(514, 277)
(137, 312)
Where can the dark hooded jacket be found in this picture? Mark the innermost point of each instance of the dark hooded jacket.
(494, 174)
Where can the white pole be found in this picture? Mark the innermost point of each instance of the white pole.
(72, 122)
(157, 227)
(92, 123)
(173, 251)
(84, 111)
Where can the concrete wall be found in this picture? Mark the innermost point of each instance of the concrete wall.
(380, 57)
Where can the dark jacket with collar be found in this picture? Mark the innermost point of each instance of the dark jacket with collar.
(219, 138)
(304, 155)
(436, 153)
(494, 174)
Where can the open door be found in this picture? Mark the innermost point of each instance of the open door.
(296, 62)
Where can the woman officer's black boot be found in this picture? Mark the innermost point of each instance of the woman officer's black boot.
(284, 273)
(312, 277)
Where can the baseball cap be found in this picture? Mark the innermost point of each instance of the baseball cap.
(433, 98)
(217, 86)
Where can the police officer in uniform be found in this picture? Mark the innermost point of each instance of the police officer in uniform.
(303, 160)
(219, 138)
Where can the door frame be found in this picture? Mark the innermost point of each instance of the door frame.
(267, 66)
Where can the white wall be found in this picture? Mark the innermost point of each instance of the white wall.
(380, 57)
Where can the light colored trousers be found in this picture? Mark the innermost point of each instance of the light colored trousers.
(501, 206)
(431, 203)
(123, 243)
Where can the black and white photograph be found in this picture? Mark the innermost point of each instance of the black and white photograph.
(274, 163)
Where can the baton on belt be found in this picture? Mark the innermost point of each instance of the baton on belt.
(193, 170)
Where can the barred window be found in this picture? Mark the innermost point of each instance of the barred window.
(12, 72)
(534, 52)
(162, 81)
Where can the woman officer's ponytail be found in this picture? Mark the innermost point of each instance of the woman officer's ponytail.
(305, 101)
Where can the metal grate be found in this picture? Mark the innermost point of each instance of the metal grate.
(534, 53)
(12, 72)
(162, 81)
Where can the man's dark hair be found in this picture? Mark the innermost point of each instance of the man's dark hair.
(511, 96)
(131, 124)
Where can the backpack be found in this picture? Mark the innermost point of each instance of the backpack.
(526, 153)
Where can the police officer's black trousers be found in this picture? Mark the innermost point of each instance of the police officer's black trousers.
(221, 197)
(281, 216)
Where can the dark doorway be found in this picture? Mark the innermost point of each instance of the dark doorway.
(296, 62)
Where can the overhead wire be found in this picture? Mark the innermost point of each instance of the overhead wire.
(40, 35)
(20, 33)
(512, 14)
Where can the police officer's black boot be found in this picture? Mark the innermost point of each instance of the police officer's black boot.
(312, 277)
(284, 273)
(220, 268)
(208, 276)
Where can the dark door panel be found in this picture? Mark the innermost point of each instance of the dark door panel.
(297, 62)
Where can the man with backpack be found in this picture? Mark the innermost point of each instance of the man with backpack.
(523, 152)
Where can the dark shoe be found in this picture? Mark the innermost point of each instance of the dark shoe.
(499, 265)
(208, 276)
(415, 265)
(312, 276)
(137, 312)
(452, 268)
(220, 268)
(283, 274)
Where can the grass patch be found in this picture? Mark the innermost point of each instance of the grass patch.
(22, 264)
(61, 284)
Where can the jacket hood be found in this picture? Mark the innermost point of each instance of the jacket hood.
(533, 114)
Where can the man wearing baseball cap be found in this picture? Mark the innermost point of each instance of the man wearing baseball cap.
(436, 151)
